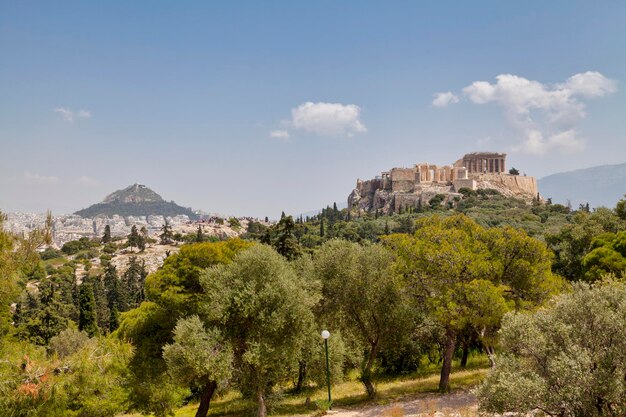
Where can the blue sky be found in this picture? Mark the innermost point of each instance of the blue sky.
(206, 102)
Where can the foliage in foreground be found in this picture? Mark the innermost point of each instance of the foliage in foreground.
(81, 377)
(567, 359)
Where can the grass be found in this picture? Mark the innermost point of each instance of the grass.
(348, 394)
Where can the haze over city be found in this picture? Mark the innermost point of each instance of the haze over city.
(254, 108)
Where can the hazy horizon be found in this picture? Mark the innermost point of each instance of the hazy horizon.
(252, 109)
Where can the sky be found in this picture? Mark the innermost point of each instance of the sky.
(253, 108)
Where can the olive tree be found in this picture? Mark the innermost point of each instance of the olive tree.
(567, 359)
(199, 358)
(364, 296)
(264, 309)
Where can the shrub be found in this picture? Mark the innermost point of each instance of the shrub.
(567, 359)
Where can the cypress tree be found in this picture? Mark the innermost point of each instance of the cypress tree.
(87, 311)
(166, 234)
(102, 307)
(106, 238)
(322, 227)
(133, 237)
(114, 320)
(199, 234)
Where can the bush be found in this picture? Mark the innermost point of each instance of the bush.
(436, 200)
(567, 359)
(50, 253)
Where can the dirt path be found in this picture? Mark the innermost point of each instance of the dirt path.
(458, 403)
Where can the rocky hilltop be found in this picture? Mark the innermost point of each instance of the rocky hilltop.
(135, 200)
(406, 188)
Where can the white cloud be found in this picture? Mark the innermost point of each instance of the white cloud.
(69, 115)
(546, 115)
(590, 84)
(279, 134)
(33, 178)
(444, 99)
(328, 119)
(85, 180)
(86, 114)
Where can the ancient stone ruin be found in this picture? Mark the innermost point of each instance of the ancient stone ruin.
(406, 188)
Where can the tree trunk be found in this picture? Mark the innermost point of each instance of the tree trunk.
(366, 376)
(301, 376)
(205, 398)
(491, 355)
(444, 381)
(465, 355)
(262, 411)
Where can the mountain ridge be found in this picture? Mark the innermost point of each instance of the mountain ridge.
(601, 185)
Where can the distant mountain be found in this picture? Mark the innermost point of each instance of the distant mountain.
(602, 185)
(135, 200)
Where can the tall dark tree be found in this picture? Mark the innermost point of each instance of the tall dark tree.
(102, 304)
(199, 235)
(87, 321)
(106, 238)
(166, 233)
(143, 238)
(133, 237)
(133, 281)
(116, 293)
(322, 227)
(284, 240)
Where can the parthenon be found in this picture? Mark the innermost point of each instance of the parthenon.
(483, 162)
(412, 187)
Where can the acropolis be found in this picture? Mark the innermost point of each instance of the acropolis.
(413, 187)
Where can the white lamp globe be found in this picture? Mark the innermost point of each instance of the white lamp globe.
(325, 334)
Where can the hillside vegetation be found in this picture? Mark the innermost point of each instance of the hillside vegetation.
(483, 279)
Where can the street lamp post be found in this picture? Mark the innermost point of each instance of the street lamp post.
(325, 336)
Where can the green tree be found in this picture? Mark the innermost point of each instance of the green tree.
(87, 321)
(467, 276)
(267, 331)
(514, 171)
(172, 292)
(284, 240)
(133, 281)
(199, 235)
(106, 237)
(363, 293)
(199, 358)
(608, 255)
(116, 295)
(167, 235)
(48, 319)
(567, 359)
(134, 238)
(573, 241)
(620, 208)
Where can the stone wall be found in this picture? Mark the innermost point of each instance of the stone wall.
(402, 180)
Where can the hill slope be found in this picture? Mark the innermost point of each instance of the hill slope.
(135, 200)
(601, 185)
